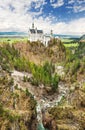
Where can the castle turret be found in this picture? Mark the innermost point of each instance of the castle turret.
(32, 25)
(51, 33)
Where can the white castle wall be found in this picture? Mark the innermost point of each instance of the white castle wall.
(33, 37)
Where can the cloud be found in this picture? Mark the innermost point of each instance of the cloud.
(57, 4)
(71, 1)
(73, 27)
(76, 27)
(21, 5)
(79, 8)
(39, 3)
(17, 16)
(76, 5)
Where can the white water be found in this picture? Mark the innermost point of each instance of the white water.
(43, 103)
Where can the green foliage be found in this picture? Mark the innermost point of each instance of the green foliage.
(1, 109)
(81, 49)
(4, 80)
(44, 75)
(7, 114)
(21, 64)
(13, 40)
(54, 82)
(25, 78)
(16, 86)
(11, 83)
(75, 62)
(71, 45)
(72, 67)
(83, 87)
(7, 55)
(10, 58)
(69, 56)
(27, 92)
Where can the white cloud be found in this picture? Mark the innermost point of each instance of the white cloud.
(73, 27)
(71, 1)
(78, 8)
(57, 4)
(21, 18)
(76, 5)
(40, 3)
(21, 5)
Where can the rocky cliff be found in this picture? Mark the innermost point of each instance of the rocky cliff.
(38, 53)
(70, 112)
(17, 106)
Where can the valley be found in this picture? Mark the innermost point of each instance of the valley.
(42, 88)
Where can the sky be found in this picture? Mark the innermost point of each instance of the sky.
(61, 16)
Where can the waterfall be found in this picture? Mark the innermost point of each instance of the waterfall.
(39, 117)
(40, 127)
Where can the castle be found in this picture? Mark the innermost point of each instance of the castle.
(37, 35)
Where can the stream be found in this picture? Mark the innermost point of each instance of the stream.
(43, 102)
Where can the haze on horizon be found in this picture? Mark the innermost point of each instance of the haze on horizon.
(62, 16)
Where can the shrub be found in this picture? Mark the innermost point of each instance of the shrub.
(54, 82)
(27, 92)
(44, 75)
(25, 78)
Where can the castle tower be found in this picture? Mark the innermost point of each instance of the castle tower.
(32, 25)
(51, 32)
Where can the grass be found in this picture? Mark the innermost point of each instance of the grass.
(71, 45)
(12, 40)
(67, 40)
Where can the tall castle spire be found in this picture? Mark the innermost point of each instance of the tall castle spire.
(33, 25)
(51, 32)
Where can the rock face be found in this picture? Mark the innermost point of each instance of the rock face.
(17, 107)
(69, 115)
(38, 53)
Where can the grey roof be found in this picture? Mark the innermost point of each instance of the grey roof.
(34, 31)
(39, 31)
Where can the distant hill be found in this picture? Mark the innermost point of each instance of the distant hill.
(12, 34)
(82, 38)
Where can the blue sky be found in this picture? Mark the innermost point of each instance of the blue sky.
(65, 11)
(62, 16)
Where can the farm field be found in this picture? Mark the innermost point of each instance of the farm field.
(12, 39)
(68, 42)
(71, 45)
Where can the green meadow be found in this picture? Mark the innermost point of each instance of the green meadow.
(12, 39)
(68, 42)
(71, 45)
